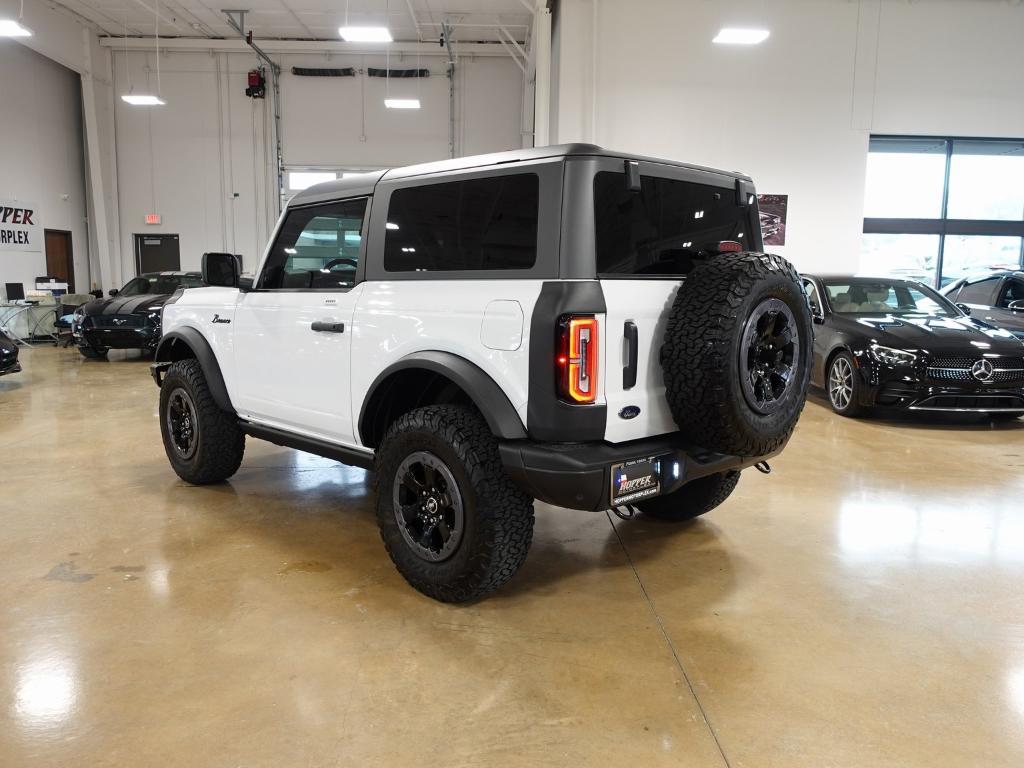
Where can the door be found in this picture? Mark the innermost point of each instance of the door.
(157, 253)
(59, 257)
(293, 333)
(1009, 306)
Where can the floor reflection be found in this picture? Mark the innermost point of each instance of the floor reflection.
(46, 691)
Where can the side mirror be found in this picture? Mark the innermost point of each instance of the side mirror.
(112, 292)
(964, 308)
(818, 319)
(220, 269)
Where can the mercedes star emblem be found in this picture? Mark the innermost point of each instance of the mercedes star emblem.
(982, 370)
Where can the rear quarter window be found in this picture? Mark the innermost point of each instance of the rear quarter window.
(658, 230)
(467, 225)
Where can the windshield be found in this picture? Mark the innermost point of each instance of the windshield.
(160, 284)
(890, 297)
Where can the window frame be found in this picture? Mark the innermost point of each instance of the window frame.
(549, 172)
(360, 274)
(943, 225)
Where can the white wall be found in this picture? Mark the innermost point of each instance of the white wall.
(205, 161)
(796, 111)
(41, 155)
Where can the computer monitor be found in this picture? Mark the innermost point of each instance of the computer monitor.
(15, 291)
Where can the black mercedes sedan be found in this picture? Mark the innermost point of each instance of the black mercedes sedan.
(995, 297)
(890, 343)
(130, 318)
(8, 355)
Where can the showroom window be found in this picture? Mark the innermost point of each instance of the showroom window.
(474, 224)
(939, 208)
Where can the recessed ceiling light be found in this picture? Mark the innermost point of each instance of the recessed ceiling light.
(737, 36)
(142, 100)
(402, 103)
(11, 28)
(365, 34)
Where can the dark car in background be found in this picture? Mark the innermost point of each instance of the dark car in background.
(8, 355)
(129, 318)
(890, 343)
(995, 297)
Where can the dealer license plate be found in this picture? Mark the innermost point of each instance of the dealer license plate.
(635, 480)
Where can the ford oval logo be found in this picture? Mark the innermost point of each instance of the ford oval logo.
(629, 412)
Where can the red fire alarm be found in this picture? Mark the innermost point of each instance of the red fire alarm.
(152, 218)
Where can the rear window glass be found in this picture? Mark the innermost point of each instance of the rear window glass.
(475, 224)
(657, 230)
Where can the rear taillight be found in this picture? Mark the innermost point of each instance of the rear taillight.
(577, 358)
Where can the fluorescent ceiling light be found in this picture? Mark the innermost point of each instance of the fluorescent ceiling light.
(391, 225)
(402, 103)
(142, 100)
(365, 34)
(737, 36)
(11, 28)
(299, 180)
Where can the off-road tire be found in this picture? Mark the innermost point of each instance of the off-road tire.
(221, 444)
(92, 353)
(693, 499)
(701, 353)
(498, 516)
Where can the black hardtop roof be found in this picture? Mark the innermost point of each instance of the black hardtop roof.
(363, 183)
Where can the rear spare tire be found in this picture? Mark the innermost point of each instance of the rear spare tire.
(737, 352)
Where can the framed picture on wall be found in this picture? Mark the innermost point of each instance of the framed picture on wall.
(773, 218)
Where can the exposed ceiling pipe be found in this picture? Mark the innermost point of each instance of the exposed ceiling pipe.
(446, 30)
(415, 21)
(238, 24)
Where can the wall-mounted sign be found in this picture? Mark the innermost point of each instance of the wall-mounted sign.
(20, 228)
(152, 218)
(773, 218)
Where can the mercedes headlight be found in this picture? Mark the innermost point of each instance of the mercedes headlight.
(891, 356)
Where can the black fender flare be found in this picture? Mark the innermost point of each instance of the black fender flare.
(487, 396)
(196, 343)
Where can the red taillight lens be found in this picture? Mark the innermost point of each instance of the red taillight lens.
(577, 358)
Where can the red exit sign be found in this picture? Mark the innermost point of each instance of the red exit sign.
(152, 218)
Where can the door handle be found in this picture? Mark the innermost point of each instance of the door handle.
(326, 326)
(632, 344)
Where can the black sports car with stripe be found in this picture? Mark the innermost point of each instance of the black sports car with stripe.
(130, 318)
(891, 343)
(8, 355)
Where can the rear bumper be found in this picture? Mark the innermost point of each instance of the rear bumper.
(579, 475)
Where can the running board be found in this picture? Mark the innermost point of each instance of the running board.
(351, 456)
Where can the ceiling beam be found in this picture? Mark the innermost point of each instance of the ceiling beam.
(299, 46)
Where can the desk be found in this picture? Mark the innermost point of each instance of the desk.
(23, 322)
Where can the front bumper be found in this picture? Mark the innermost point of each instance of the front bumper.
(900, 389)
(6, 368)
(579, 475)
(119, 338)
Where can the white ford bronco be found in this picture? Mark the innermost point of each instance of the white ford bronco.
(587, 328)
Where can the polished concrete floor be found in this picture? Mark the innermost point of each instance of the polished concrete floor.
(861, 606)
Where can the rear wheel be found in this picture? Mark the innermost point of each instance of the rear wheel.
(693, 499)
(453, 523)
(844, 385)
(202, 442)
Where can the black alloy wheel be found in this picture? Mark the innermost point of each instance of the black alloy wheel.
(182, 423)
(769, 353)
(428, 506)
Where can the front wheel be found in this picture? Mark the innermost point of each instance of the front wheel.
(844, 385)
(454, 524)
(203, 443)
(92, 353)
(693, 499)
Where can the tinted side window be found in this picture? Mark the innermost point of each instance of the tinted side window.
(475, 224)
(657, 230)
(317, 247)
(977, 293)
